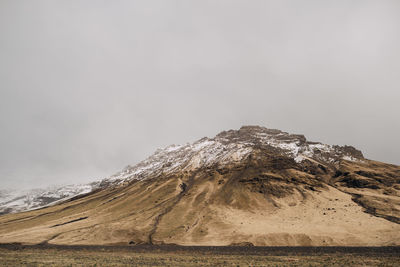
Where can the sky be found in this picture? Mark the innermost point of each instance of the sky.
(88, 87)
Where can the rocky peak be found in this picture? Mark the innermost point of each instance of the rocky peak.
(233, 146)
(259, 135)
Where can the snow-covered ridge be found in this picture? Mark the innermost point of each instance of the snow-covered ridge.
(15, 201)
(231, 146)
(225, 148)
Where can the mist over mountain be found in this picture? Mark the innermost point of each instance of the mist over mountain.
(89, 87)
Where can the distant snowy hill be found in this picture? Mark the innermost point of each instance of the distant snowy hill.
(12, 201)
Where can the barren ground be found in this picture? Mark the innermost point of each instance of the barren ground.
(47, 255)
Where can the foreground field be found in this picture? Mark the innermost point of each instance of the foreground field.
(17, 255)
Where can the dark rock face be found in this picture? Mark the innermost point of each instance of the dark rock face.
(350, 151)
(254, 134)
(278, 141)
(373, 185)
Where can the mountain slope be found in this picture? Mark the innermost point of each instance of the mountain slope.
(252, 185)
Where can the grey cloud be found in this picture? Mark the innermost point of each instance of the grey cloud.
(87, 87)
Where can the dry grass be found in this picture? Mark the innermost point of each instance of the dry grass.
(104, 257)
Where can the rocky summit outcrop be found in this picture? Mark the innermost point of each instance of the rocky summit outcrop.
(249, 186)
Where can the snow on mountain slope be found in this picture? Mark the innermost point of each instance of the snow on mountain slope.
(231, 146)
(17, 201)
(225, 148)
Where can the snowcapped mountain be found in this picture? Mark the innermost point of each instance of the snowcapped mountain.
(252, 185)
(225, 148)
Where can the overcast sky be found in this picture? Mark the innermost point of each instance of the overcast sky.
(88, 87)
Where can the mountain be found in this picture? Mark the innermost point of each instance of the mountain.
(249, 186)
(225, 148)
